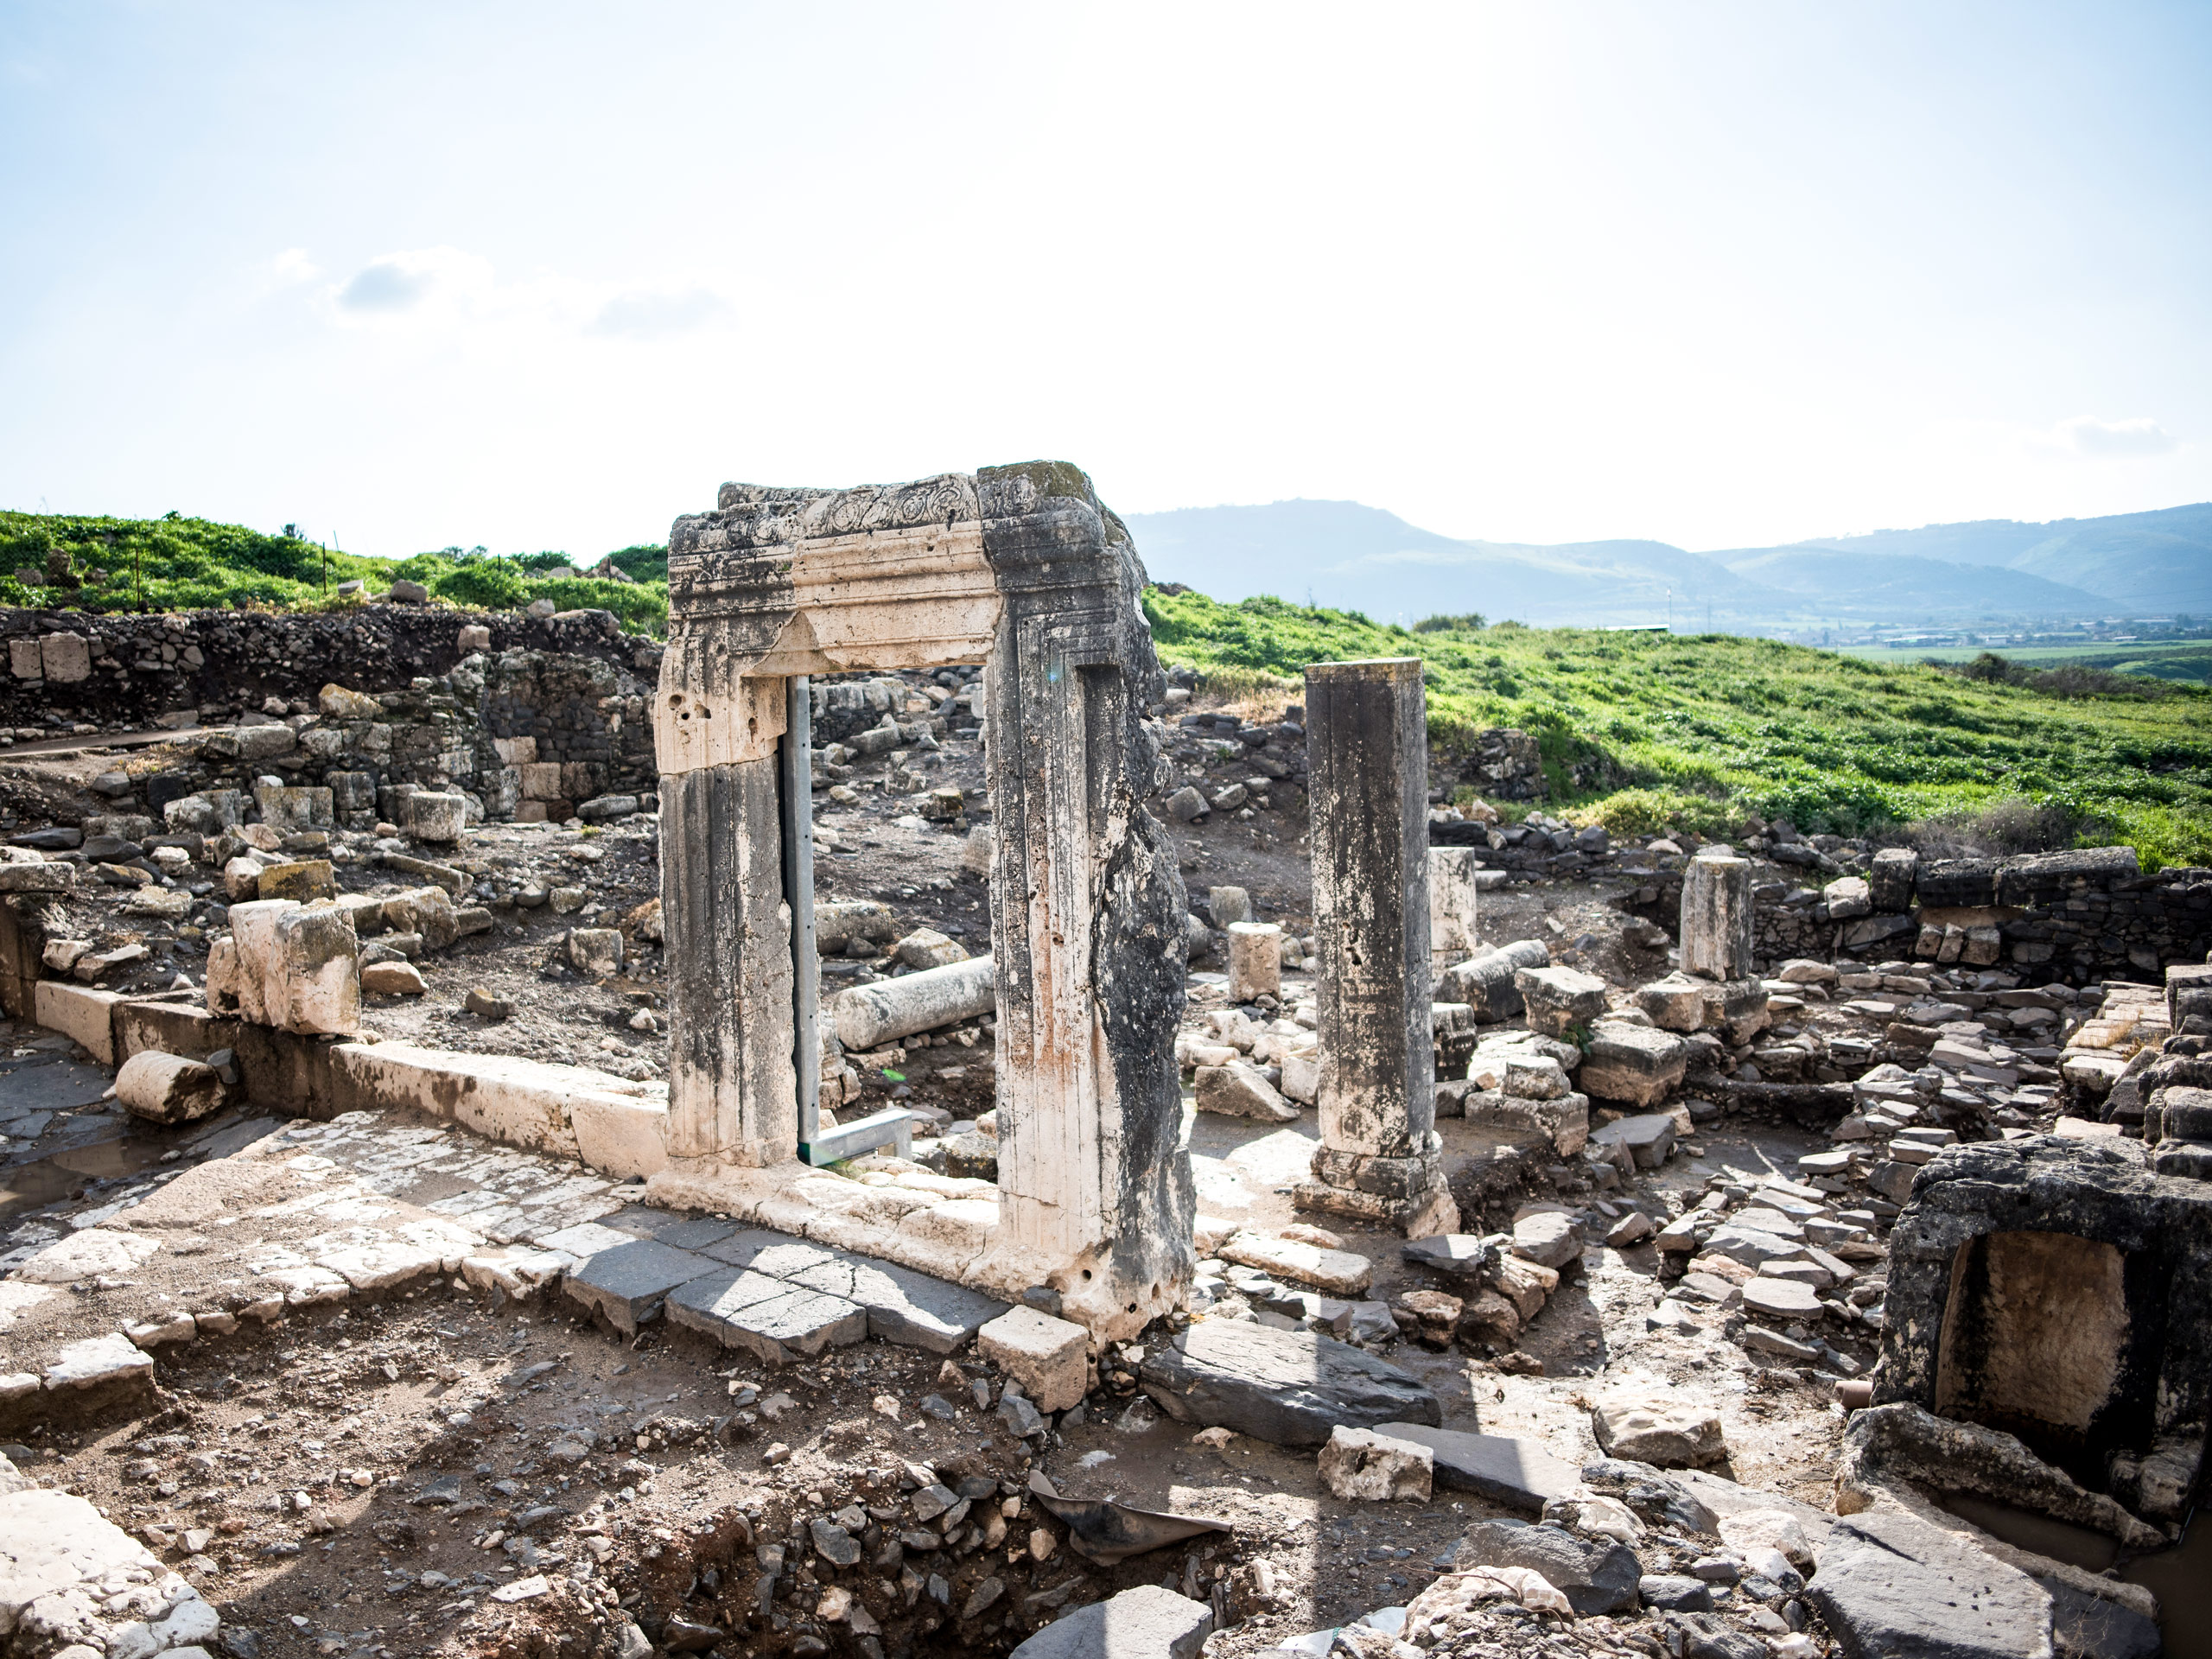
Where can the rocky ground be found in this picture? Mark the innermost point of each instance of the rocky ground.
(453, 1459)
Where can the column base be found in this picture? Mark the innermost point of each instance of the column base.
(1409, 1195)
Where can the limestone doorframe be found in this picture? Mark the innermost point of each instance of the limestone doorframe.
(1021, 569)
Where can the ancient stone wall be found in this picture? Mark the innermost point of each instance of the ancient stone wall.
(66, 669)
(2076, 917)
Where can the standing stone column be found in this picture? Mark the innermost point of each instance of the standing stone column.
(1255, 960)
(1717, 917)
(1367, 744)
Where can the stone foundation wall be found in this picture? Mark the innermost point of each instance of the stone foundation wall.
(2077, 917)
(69, 669)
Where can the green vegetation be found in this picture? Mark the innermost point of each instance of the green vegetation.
(1640, 731)
(175, 563)
(2186, 660)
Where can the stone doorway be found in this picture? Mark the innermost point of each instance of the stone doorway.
(1022, 570)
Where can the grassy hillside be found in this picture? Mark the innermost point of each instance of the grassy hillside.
(1641, 730)
(176, 563)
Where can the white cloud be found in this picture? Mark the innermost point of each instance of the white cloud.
(387, 285)
(2105, 440)
(638, 314)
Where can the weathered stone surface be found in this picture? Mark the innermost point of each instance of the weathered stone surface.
(1594, 1577)
(1782, 1298)
(1146, 1622)
(629, 1282)
(1671, 1434)
(1549, 1239)
(435, 816)
(87, 1255)
(99, 1361)
(1485, 982)
(1341, 1273)
(1674, 1003)
(1361, 1466)
(1238, 1090)
(1716, 918)
(1367, 745)
(65, 1571)
(1633, 1064)
(1255, 960)
(302, 881)
(902, 1305)
(1649, 1137)
(596, 952)
(1459, 1255)
(393, 979)
(1558, 1000)
(1045, 1355)
(1890, 1585)
(168, 1089)
(1516, 1473)
(1288, 1387)
(868, 1015)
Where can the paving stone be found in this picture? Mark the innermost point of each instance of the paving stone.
(1291, 1387)
(99, 1361)
(586, 1239)
(379, 1266)
(629, 1282)
(1595, 1576)
(1648, 1136)
(1457, 1255)
(1046, 1356)
(1146, 1622)
(1515, 1473)
(1890, 1585)
(770, 1252)
(87, 1255)
(1341, 1273)
(769, 1316)
(1782, 1298)
(1362, 1466)
(904, 1306)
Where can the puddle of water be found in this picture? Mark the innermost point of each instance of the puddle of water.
(2181, 1577)
(28, 1186)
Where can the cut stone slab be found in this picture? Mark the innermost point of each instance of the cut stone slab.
(51, 1544)
(99, 1361)
(1237, 1089)
(779, 1321)
(1674, 1003)
(1559, 998)
(87, 1254)
(1501, 1469)
(1751, 1246)
(629, 1282)
(382, 1265)
(1340, 1273)
(1048, 1357)
(904, 1306)
(1890, 1586)
(1595, 1577)
(1635, 1063)
(1659, 1430)
(1648, 1136)
(1457, 1255)
(1550, 1240)
(1290, 1388)
(1781, 1299)
(1360, 1465)
(1146, 1622)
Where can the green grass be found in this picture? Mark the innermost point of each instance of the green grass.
(2185, 660)
(1640, 731)
(176, 563)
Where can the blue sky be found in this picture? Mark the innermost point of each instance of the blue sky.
(542, 275)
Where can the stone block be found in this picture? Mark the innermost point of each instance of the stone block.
(1891, 1584)
(473, 637)
(1547, 1238)
(1648, 1136)
(779, 1322)
(1048, 1357)
(436, 816)
(630, 1283)
(902, 1305)
(1341, 1273)
(302, 881)
(1564, 1122)
(393, 979)
(1890, 881)
(596, 952)
(1291, 1387)
(1485, 982)
(1595, 1575)
(1361, 1466)
(25, 661)
(1255, 960)
(927, 948)
(287, 809)
(65, 658)
(1716, 918)
(312, 982)
(608, 809)
(79, 1013)
(1147, 1623)
(1780, 1299)
(1456, 1255)
(1635, 1063)
(1558, 1000)
(1514, 1473)
(1849, 897)
(1238, 1090)
(1654, 1429)
(165, 1089)
(1226, 906)
(1674, 1003)
(99, 1363)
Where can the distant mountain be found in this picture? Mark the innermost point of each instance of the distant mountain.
(1354, 557)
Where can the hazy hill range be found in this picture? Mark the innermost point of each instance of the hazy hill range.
(1345, 555)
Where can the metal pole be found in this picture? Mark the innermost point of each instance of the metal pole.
(795, 753)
